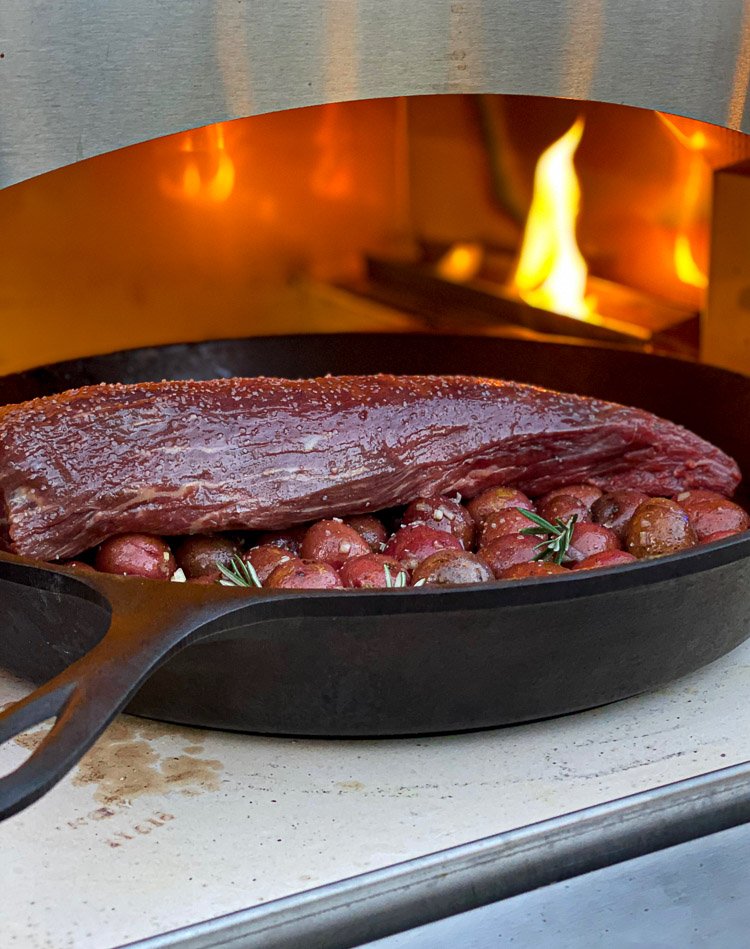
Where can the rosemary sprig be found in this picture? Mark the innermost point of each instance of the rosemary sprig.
(239, 573)
(556, 536)
(390, 582)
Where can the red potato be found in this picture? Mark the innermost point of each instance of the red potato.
(411, 544)
(136, 555)
(616, 509)
(585, 493)
(370, 529)
(442, 514)
(508, 551)
(373, 572)
(495, 500)
(266, 558)
(563, 507)
(719, 535)
(201, 554)
(658, 527)
(304, 575)
(607, 558)
(539, 568)
(588, 540)
(451, 567)
(711, 513)
(501, 524)
(289, 539)
(333, 542)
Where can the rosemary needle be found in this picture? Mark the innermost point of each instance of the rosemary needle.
(239, 573)
(390, 582)
(556, 537)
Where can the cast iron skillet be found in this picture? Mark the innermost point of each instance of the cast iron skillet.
(360, 663)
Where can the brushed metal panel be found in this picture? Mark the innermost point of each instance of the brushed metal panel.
(83, 77)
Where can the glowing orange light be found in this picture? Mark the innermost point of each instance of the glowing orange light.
(461, 263)
(551, 273)
(208, 172)
(696, 143)
(685, 266)
(331, 176)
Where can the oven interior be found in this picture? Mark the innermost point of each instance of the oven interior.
(519, 216)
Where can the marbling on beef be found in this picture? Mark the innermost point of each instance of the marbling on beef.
(185, 457)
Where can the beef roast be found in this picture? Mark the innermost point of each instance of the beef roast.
(185, 457)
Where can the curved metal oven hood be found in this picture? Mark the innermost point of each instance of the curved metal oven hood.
(82, 77)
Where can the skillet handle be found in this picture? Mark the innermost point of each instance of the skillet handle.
(147, 627)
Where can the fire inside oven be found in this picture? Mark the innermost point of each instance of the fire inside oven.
(505, 215)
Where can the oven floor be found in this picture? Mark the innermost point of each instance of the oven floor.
(162, 826)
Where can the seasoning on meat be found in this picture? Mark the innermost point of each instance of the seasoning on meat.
(194, 457)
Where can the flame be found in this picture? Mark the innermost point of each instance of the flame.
(208, 172)
(551, 272)
(461, 263)
(685, 266)
(696, 143)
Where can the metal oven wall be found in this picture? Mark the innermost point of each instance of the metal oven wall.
(83, 77)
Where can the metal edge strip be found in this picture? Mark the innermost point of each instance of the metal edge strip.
(372, 905)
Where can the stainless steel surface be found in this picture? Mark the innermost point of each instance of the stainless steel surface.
(388, 901)
(693, 896)
(83, 77)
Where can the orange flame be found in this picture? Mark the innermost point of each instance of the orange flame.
(551, 273)
(685, 265)
(696, 143)
(208, 172)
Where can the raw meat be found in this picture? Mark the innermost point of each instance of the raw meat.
(188, 457)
